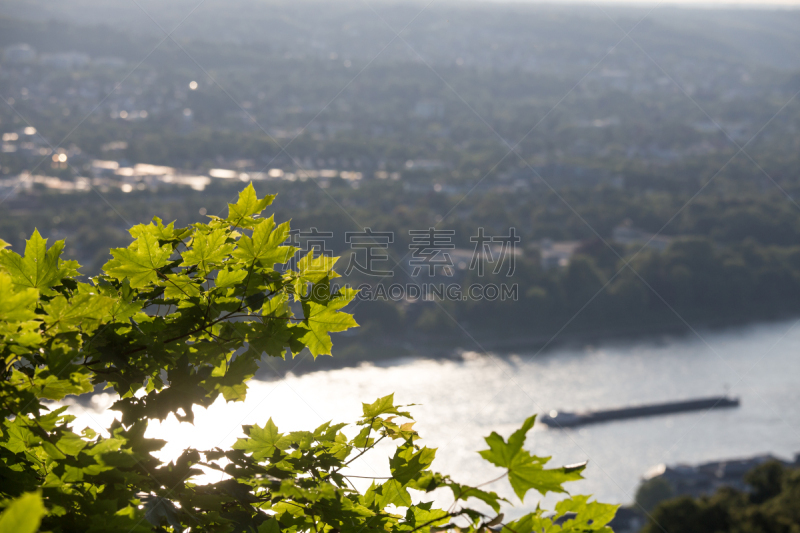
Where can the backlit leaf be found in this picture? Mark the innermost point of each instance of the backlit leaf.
(180, 286)
(264, 247)
(381, 406)
(589, 516)
(207, 250)
(408, 462)
(229, 278)
(527, 472)
(240, 214)
(139, 262)
(85, 309)
(502, 453)
(40, 267)
(17, 304)
(23, 514)
(322, 319)
(262, 442)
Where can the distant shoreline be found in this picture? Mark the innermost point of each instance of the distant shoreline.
(453, 347)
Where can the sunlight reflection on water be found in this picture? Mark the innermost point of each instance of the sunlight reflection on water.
(462, 401)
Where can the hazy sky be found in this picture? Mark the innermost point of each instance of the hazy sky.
(690, 3)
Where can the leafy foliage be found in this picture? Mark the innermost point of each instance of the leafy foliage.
(23, 514)
(772, 505)
(180, 317)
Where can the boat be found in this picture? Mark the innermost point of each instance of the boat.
(559, 419)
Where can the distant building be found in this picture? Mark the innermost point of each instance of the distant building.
(687, 480)
(425, 164)
(143, 169)
(625, 233)
(101, 167)
(27, 182)
(223, 173)
(705, 479)
(556, 254)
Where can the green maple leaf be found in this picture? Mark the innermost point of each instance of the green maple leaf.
(85, 309)
(208, 249)
(180, 286)
(52, 387)
(156, 229)
(464, 492)
(408, 462)
(230, 377)
(313, 269)
(241, 213)
(323, 318)
(529, 523)
(124, 307)
(71, 443)
(121, 310)
(262, 442)
(229, 278)
(589, 516)
(277, 306)
(269, 526)
(23, 514)
(382, 406)
(422, 518)
(272, 334)
(527, 472)
(321, 322)
(51, 420)
(16, 304)
(139, 262)
(392, 492)
(271, 340)
(20, 437)
(40, 268)
(502, 453)
(264, 247)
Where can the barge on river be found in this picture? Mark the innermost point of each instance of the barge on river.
(558, 419)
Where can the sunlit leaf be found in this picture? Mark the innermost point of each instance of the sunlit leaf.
(23, 514)
(40, 267)
(208, 250)
(262, 442)
(240, 213)
(139, 262)
(322, 319)
(408, 462)
(17, 304)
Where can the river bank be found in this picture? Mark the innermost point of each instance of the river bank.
(352, 350)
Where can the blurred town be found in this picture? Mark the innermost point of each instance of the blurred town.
(646, 159)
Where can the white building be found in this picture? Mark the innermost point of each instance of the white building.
(556, 254)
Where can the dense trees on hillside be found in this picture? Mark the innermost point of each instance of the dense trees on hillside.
(717, 269)
(773, 506)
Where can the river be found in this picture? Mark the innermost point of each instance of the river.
(459, 402)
